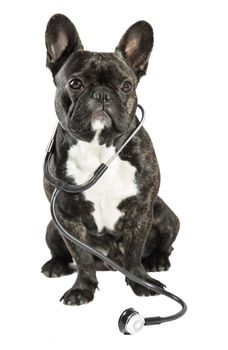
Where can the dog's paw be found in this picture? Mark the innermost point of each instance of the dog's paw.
(76, 296)
(143, 291)
(56, 267)
(157, 261)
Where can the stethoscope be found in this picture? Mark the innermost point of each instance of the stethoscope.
(130, 321)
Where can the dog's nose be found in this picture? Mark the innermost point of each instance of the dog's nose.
(102, 95)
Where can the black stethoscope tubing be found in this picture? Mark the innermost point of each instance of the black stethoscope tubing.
(63, 186)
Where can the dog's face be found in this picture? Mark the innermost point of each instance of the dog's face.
(96, 90)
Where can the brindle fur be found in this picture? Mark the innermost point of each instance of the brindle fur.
(143, 236)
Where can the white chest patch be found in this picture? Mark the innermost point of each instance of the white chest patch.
(116, 184)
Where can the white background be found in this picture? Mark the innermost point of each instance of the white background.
(185, 97)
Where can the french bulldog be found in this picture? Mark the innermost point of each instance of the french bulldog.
(121, 215)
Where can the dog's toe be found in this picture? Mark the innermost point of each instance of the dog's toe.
(157, 262)
(56, 267)
(141, 290)
(77, 297)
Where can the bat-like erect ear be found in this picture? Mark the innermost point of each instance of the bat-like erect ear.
(136, 45)
(61, 39)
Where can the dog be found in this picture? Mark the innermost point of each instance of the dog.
(122, 215)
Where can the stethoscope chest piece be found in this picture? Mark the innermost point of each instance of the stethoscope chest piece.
(131, 322)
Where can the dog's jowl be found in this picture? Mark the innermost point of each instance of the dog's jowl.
(121, 215)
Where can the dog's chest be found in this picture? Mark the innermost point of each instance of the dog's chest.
(116, 184)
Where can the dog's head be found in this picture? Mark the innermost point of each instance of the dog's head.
(96, 90)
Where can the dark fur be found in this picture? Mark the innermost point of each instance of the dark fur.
(142, 238)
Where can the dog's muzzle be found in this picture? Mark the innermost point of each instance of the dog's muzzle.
(102, 95)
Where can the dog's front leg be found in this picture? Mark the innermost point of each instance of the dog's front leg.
(137, 223)
(86, 283)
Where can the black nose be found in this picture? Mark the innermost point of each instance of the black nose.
(101, 94)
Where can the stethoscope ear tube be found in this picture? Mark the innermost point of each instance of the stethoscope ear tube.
(70, 188)
(63, 186)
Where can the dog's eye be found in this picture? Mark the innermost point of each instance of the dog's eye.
(126, 86)
(76, 84)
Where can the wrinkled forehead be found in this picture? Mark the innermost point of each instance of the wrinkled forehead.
(96, 67)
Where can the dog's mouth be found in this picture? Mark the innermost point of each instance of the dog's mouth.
(84, 119)
(101, 119)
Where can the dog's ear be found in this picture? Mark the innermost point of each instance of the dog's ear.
(61, 39)
(136, 45)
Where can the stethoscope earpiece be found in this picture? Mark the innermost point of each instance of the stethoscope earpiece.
(130, 322)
